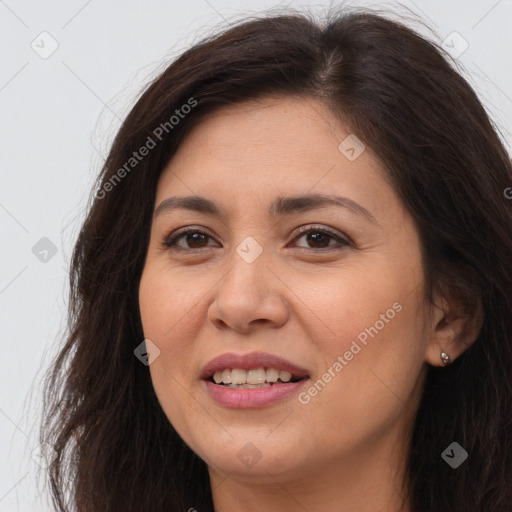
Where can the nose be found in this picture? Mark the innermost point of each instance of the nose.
(250, 296)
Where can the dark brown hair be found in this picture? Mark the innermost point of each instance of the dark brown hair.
(116, 450)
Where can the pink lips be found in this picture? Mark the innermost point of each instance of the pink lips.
(255, 397)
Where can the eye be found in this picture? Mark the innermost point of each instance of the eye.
(321, 237)
(194, 237)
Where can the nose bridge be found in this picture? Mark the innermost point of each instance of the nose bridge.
(248, 269)
(249, 291)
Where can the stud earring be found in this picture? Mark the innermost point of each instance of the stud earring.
(445, 358)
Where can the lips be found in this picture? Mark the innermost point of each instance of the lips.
(251, 361)
(243, 396)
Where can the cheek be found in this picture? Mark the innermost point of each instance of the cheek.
(167, 314)
(165, 309)
(167, 304)
(362, 304)
(373, 363)
(172, 309)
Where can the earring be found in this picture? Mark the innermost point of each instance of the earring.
(445, 358)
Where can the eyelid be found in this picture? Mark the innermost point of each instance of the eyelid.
(330, 231)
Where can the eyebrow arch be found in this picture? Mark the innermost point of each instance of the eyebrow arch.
(281, 206)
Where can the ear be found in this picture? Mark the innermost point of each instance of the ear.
(455, 325)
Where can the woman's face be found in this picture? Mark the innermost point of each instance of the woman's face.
(335, 290)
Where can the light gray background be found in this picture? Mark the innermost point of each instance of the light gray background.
(58, 116)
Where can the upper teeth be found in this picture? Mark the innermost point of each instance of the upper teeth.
(256, 376)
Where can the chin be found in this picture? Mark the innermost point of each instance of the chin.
(252, 454)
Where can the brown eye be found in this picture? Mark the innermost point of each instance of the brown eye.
(194, 239)
(319, 239)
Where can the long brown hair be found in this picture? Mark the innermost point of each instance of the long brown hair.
(116, 450)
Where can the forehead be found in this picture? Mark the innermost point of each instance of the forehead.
(273, 146)
(276, 128)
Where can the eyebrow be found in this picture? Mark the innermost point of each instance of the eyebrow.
(281, 206)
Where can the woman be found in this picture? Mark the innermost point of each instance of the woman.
(292, 289)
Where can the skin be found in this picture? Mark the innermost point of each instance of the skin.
(345, 448)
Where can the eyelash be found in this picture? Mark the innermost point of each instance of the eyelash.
(170, 241)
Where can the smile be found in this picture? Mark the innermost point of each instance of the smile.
(259, 377)
(251, 380)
